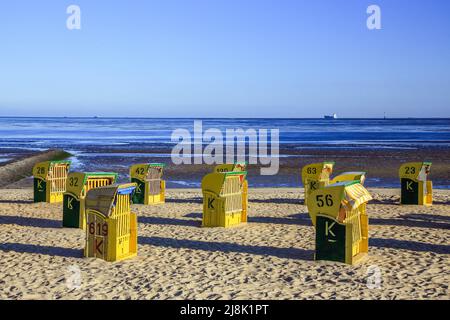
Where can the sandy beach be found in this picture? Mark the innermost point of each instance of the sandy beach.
(271, 257)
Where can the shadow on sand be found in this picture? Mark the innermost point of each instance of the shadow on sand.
(30, 222)
(226, 247)
(187, 200)
(17, 201)
(170, 221)
(45, 250)
(278, 201)
(409, 245)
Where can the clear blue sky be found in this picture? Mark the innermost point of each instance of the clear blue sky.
(232, 58)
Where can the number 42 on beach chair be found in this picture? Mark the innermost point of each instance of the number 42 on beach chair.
(150, 188)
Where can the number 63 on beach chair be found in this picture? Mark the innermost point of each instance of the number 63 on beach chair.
(111, 227)
(50, 180)
(338, 212)
(315, 176)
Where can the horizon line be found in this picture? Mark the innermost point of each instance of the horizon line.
(244, 118)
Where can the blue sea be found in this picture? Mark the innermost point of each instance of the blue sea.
(144, 139)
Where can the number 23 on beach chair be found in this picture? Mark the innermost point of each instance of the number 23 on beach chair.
(223, 204)
(111, 229)
(415, 188)
(77, 186)
(50, 180)
(338, 213)
(315, 176)
(150, 187)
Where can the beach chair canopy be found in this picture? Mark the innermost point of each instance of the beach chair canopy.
(215, 182)
(102, 199)
(76, 181)
(331, 199)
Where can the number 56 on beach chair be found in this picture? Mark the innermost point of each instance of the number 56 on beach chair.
(315, 176)
(223, 200)
(338, 212)
(50, 180)
(415, 186)
(111, 229)
(77, 186)
(150, 187)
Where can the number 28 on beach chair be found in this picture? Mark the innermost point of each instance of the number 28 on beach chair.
(150, 187)
(315, 176)
(50, 180)
(111, 230)
(338, 212)
(222, 199)
(77, 186)
(415, 186)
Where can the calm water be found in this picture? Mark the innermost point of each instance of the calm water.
(94, 138)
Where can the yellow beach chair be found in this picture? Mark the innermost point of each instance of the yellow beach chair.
(150, 188)
(111, 231)
(338, 212)
(223, 204)
(50, 180)
(415, 186)
(77, 186)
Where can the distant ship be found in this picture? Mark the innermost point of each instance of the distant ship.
(334, 116)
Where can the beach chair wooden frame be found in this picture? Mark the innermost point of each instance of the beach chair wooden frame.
(50, 180)
(223, 204)
(77, 186)
(151, 188)
(111, 231)
(416, 189)
(338, 212)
